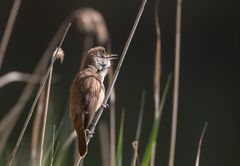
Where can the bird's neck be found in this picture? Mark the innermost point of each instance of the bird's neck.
(102, 74)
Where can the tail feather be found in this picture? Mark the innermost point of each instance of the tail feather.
(82, 142)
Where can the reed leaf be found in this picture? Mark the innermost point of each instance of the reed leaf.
(120, 141)
(155, 128)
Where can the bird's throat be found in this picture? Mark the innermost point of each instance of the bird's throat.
(103, 74)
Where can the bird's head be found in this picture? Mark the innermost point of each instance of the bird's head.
(99, 59)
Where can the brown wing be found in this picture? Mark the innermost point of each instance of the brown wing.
(76, 112)
(84, 99)
(90, 89)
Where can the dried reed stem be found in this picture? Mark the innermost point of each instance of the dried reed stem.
(13, 114)
(45, 114)
(69, 140)
(36, 129)
(58, 54)
(200, 144)
(35, 102)
(152, 162)
(157, 75)
(104, 143)
(8, 30)
(176, 84)
(110, 88)
(15, 76)
(112, 122)
(112, 133)
(157, 70)
(140, 116)
(79, 161)
(10, 119)
(135, 153)
(53, 145)
(112, 112)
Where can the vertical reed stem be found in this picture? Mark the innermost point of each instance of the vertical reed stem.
(45, 115)
(176, 84)
(110, 88)
(8, 30)
(35, 102)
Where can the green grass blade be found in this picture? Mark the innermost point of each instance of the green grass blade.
(156, 124)
(120, 141)
(140, 117)
(135, 153)
(139, 128)
(50, 146)
(165, 92)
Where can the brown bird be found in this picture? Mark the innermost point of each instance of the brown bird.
(88, 92)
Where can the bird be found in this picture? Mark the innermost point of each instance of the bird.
(87, 93)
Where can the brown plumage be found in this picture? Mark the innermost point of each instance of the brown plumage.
(88, 92)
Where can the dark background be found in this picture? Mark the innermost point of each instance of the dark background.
(209, 80)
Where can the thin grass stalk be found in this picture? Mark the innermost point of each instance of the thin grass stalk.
(152, 162)
(112, 130)
(112, 122)
(104, 143)
(28, 119)
(58, 54)
(49, 150)
(156, 124)
(8, 30)
(35, 102)
(53, 145)
(36, 129)
(15, 76)
(200, 144)
(112, 112)
(79, 161)
(65, 147)
(157, 74)
(69, 140)
(110, 88)
(120, 140)
(82, 163)
(135, 153)
(13, 114)
(138, 132)
(176, 84)
(157, 68)
(108, 93)
(56, 148)
(140, 117)
(45, 115)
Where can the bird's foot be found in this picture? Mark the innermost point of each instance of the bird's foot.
(90, 133)
(105, 106)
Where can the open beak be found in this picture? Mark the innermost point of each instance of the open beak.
(112, 56)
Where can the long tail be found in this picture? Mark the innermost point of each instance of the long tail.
(82, 142)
